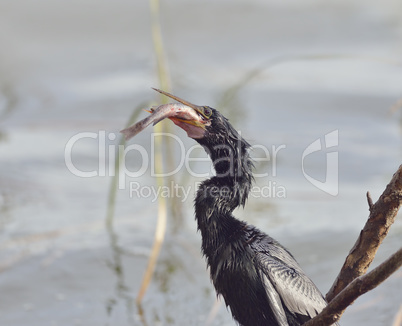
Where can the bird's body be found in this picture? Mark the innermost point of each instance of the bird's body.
(259, 279)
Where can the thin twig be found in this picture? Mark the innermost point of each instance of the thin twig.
(114, 184)
(214, 311)
(158, 156)
(382, 215)
(331, 313)
(398, 317)
(396, 106)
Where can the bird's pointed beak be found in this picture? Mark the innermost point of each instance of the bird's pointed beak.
(178, 99)
(194, 127)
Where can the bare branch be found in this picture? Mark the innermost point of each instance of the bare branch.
(331, 313)
(382, 215)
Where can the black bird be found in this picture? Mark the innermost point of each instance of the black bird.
(258, 278)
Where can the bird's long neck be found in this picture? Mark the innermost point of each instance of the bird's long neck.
(219, 196)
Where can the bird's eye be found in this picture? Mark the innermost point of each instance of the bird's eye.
(207, 111)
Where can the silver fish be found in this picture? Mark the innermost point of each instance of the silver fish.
(171, 110)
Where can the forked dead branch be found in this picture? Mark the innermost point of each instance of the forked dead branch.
(350, 283)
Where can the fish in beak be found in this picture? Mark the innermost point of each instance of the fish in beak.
(191, 118)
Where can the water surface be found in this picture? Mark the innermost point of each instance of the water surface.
(302, 72)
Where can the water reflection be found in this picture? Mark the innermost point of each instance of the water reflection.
(116, 265)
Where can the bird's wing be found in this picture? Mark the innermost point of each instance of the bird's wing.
(275, 302)
(297, 292)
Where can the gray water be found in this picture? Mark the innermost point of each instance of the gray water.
(303, 70)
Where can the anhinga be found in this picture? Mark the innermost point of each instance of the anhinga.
(258, 278)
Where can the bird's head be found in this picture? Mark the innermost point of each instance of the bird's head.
(225, 146)
(227, 149)
(206, 125)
